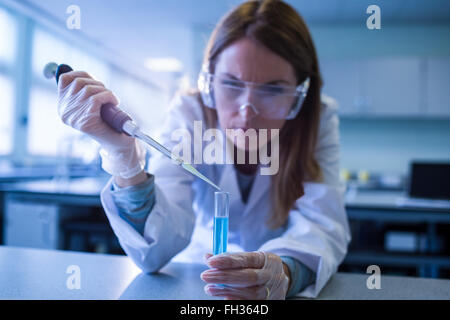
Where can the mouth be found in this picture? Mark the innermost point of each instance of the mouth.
(242, 128)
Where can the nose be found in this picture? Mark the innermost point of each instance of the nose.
(248, 111)
(247, 96)
(247, 104)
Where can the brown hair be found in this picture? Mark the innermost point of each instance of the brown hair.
(277, 26)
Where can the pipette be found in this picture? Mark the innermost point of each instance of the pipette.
(121, 122)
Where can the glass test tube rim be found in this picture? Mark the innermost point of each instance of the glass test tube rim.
(221, 204)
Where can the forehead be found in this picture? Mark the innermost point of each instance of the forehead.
(249, 60)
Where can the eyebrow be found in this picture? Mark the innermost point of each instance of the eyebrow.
(274, 82)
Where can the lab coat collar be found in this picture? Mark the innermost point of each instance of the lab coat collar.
(229, 183)
(259, 188)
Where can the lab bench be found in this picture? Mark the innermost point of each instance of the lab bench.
(377, 217)
(68, 215)
(57, 214)
(48, 274)
(11, 173)
(25, 181)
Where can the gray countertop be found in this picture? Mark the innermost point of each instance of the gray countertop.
(91, 187)
(398, 200)
(87, 186)
(10, 173)
(43, 274)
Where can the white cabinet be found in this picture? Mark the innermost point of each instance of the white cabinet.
(342, 79)
(392, 86)
(377, 86)
(29, 224)
(438, 87)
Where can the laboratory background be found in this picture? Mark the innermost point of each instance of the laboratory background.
(391, 84)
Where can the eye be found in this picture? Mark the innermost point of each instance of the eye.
(274, 90)
(231, 84)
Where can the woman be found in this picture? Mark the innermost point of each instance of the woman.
(288, 230)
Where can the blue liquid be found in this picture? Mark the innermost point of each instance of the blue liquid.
(220, 235)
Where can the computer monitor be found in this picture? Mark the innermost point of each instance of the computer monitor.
(429, 180)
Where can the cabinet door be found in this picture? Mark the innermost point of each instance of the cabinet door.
(392, 86)
(31, 225)
(438, 87)
(342, 82)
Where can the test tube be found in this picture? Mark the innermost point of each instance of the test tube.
(221, 212)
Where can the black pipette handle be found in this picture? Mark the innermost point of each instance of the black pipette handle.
(109, 113)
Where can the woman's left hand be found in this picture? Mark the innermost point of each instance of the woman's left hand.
(246, 275)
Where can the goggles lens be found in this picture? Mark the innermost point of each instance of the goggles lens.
(270, 101)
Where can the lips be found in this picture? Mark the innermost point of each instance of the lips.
(245, 129)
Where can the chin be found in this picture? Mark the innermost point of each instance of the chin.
(246, 147)
(250, 148)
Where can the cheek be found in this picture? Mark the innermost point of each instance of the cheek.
(225, 119)
(271, 124)
(273, 128)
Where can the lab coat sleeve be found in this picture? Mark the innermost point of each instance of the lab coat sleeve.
(169, 226)
(317, 232)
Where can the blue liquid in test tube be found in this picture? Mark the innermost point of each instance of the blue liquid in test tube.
(221, 212)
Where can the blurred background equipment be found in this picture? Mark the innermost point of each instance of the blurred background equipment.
(429, 180)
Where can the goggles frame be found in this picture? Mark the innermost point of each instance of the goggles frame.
(205, 86)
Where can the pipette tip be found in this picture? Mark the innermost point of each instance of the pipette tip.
(192, 170)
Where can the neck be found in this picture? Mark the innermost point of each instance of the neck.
(245, 168)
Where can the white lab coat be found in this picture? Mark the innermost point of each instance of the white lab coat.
(179, 227)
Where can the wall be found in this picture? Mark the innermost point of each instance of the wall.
(386, 145)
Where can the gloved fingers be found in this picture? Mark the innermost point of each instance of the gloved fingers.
(73, 99)
(84, 115)
(206, 257)
(233, 293)
(269, 274)
(236, 277)
(91, 89)
(66, 78)
(100, 98)
(83, 108)
(78, 84)
(237, 260)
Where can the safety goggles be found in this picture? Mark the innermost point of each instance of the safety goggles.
(269, 101)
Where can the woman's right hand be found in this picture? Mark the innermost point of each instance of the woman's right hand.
(80, 98)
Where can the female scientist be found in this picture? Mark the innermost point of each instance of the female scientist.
(288, 231)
